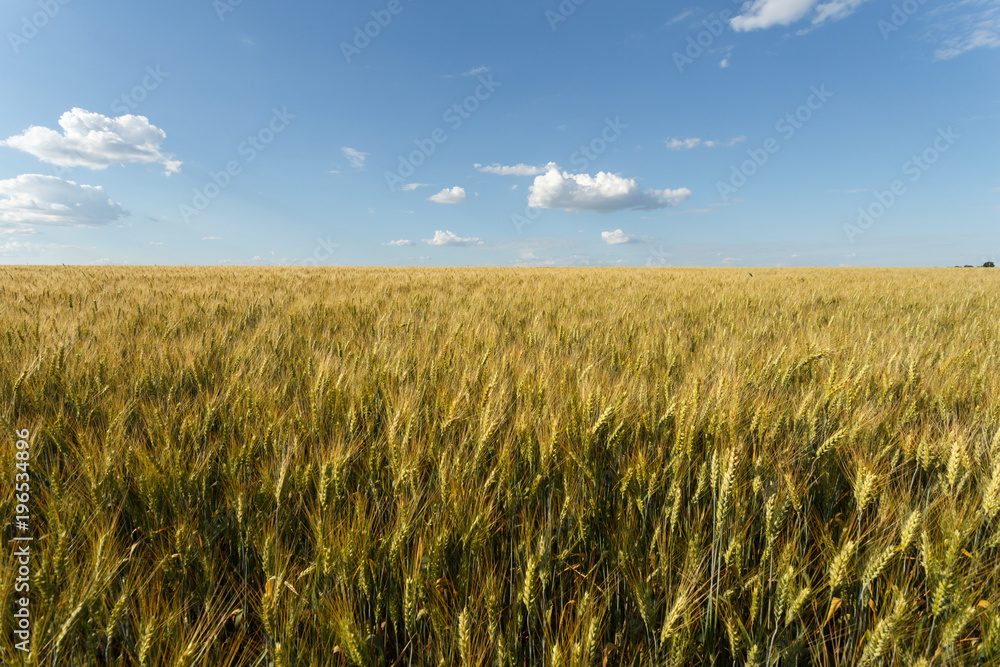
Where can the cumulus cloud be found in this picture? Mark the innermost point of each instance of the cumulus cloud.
(450, 238)
(516, 170)
(95, 141)
(409, 187)
(355, 157)
(400, 242)
(616, 237)
(37, 199)
(455, 195)
(602, 193)
(694, 142)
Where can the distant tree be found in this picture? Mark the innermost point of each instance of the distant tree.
(969, 266)
(988, 265)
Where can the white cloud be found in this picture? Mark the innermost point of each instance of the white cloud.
(694, 142)
(761, 14)
(455, 195)
(36, 199)
(25, 249)
(355, 157)
(400, 242)
(616, 237)
(211, 238)
(834, 10)
(450, 238)
(680, 17)
(516, 170)
(156, 243)
(476, 70)
(13, 248)
(95, 141)
(724, 63)
(603, 193)
(409, 187)
(960, 30)
(683, 144)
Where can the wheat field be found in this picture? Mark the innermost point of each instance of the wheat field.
(333, 466)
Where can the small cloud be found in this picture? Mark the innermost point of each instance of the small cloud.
(616, 237)
(603, 193)
(476, 70)
(400, 242)
(687, 13)
(834, 10)
(211, 238)
(156, 243)
(24, 249)
(694, 142)
(355, 157)
(725, 63)
(683, 144)
(689, 211)
(410, 187)
(95, 141)
(763, 14)
(455, 195)
(516, 170)
(450, 238)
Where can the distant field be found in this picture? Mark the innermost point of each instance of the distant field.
(504, 467)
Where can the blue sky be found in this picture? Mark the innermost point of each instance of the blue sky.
(403, 132)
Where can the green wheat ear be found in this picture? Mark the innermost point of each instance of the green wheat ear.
(371, 466)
